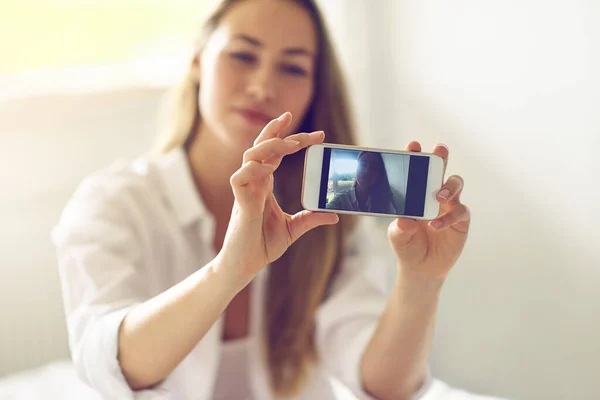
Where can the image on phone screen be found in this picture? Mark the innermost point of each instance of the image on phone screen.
(373, 182)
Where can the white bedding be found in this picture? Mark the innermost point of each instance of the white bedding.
(58, 380)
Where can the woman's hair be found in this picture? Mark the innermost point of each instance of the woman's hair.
(301, 278)
(380, 196)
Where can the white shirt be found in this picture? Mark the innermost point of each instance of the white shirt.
(138, 227)
(233, 379)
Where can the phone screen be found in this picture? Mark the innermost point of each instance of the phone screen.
(374, 182)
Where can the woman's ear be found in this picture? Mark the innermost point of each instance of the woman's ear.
(195, 68)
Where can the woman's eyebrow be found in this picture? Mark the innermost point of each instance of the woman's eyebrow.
(248, 39)
(298, 51)
(257, 43)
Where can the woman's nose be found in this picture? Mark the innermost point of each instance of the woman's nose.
(262, 84)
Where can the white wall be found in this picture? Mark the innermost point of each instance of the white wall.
(396, 168)
(47, 145)
(513, 88)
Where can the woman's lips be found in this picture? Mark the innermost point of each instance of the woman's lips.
(254, 117)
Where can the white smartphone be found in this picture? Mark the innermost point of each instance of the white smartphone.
(367, 181)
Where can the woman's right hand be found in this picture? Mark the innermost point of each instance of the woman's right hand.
(259, 232)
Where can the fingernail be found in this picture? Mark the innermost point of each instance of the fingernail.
(317, 133)
(291, 142)
(442, 145)
(436, 224)
(444, 194)
(282, 117)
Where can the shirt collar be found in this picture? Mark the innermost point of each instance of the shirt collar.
(179, 187)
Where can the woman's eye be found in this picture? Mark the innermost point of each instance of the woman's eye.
(294, 70)
(244, 57)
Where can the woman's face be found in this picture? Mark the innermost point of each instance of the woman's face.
(368, 170)
(257, 64)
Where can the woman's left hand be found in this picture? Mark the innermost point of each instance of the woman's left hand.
(431, 248)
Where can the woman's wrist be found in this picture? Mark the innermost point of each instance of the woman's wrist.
(233, 276)
(415, 286)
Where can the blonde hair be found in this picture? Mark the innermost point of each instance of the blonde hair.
(299, 280)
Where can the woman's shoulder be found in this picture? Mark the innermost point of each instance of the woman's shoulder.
(342, 199)
(97, 203)
(123, 189)
(121, 178)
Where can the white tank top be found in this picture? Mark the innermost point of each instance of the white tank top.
(233, 379)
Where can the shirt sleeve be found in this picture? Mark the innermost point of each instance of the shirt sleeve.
(99, 257)
(347, 320)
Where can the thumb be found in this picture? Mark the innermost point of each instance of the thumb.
(402, 230)
(305, 220)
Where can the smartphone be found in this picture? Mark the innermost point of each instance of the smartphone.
(367, 181)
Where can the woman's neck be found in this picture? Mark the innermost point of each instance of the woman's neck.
(212, 165)
(362, 193)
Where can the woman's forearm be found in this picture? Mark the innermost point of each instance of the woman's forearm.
(394, 365)
(158, 334)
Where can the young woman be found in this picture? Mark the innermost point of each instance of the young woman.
(371, 190)
(195, 274)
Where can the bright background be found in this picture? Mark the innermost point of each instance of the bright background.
(343, 162)
(512, 87)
